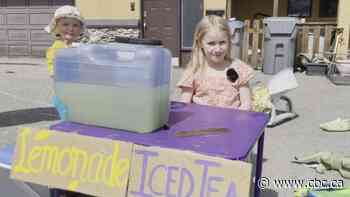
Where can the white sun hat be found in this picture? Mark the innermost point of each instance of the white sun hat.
(62, 12)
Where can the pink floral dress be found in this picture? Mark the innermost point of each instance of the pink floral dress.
(218, 90)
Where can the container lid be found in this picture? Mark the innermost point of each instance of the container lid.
(138, 41)
(280, 25)
(123, 65)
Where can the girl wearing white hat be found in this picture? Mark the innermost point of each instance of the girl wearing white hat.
(67, 26)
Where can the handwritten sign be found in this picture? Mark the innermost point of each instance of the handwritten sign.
(103, 167)
(73, 162)
(172, 173)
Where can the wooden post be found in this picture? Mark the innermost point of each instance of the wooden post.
(305, 39)
(245, 44)
(317, 34)
(275, 7)
(344, 22)
(327, 37)
(299, 41)
(255, 45)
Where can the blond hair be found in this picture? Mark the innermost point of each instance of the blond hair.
(197, 61)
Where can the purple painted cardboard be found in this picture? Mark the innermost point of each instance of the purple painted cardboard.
(244, 130)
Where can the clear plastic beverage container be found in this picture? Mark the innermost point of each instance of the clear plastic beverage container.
(122, 86)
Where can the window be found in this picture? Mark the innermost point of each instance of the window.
(215, 12)
(191, 14)
(299, 8)
(328, 8)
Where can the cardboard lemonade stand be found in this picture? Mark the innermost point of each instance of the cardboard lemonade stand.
(95, 153)
(103, 167)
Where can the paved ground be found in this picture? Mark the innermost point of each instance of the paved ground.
(25, 101)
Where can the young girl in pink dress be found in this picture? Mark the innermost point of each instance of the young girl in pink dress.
(212, 77)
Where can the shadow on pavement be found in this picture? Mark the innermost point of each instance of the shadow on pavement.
(26, 116)
(268, 193)
(253, 158)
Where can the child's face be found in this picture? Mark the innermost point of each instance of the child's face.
(215, 44)
(69, 29)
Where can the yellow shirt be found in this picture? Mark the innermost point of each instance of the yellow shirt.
(51, 54)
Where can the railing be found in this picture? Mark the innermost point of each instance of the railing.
(315, 37)
(312, 38)
(253, 43)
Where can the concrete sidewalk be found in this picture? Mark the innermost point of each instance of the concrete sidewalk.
(25, 101)
(22, 61)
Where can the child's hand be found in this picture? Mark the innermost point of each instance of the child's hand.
(186, 95)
